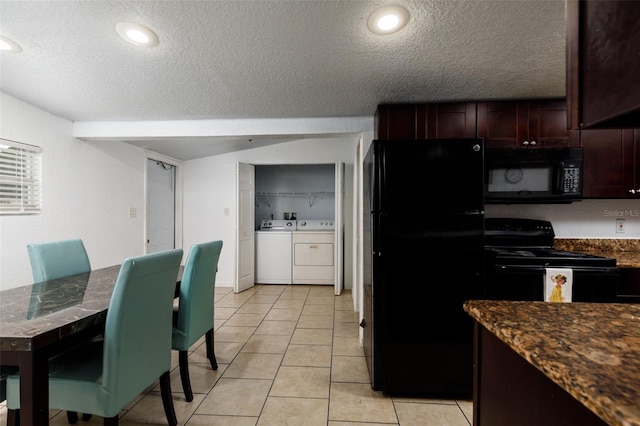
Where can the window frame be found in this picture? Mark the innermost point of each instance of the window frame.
(20, 178)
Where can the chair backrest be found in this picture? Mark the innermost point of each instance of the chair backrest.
(195, 309)
(57, 259)
(137, 336)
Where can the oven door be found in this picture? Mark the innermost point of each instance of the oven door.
(526, 283)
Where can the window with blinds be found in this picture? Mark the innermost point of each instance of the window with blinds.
(20, 178)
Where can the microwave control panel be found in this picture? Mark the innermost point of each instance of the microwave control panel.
(571, 180)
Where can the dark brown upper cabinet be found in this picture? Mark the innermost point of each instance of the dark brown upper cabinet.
(447, 120)
(525, 124)
(603, 64)
(611, 163)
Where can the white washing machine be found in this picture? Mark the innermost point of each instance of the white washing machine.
(273, 251)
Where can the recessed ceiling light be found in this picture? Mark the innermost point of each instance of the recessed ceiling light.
(137, 34)
(388, 19)
(8, 45)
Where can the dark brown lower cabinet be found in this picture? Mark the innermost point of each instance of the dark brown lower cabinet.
(629, 285)
(509, 391)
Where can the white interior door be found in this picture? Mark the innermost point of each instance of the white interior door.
(339, 224)
(161, 201)
(245, 246)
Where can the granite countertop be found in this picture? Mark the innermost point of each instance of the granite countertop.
(625, 251)
(591, 350)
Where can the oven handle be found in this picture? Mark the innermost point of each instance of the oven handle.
(534, 268)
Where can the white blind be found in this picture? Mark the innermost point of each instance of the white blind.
(20, 176)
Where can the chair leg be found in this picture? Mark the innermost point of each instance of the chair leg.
(184, 375)
(111, 421)
(72, 417)
(210, 349)
(167, 400)
(86, 417)
(13, 417)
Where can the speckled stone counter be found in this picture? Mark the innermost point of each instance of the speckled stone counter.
(625, 251)
(592, 351)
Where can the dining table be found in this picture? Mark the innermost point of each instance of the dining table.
(42, 319)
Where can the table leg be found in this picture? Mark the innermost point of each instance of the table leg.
(34, 388)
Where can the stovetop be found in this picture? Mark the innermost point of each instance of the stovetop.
(541, 256)
(524, 242)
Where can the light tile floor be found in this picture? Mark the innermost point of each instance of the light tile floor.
(287, 355)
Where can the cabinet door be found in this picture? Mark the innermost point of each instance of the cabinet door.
(451, 120)
(609, 163)
(636, 162)
(525, 124)
(396, 121)
(629, 285)
(447, 120)
(548, 125)
(632, 164)
(603, 89)
(503, 124)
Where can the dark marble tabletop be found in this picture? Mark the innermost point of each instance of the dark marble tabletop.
(35, 315)
(592, 350)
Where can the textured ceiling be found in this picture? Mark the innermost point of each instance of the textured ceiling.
(276, 59)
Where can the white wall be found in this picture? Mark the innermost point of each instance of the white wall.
(88, 189)
(210, 187)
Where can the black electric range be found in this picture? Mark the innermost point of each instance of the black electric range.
(518, 253)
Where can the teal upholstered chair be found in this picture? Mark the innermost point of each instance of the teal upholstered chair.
(194, 315)
(102, 376)
(57, 259)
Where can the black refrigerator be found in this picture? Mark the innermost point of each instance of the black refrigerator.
(423, 244)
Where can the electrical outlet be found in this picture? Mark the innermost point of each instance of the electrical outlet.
(133, 212)
(620, 226)
(226, 211)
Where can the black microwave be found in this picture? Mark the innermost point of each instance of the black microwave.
(545, 175)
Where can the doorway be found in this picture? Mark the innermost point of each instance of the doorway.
(287, 196)
(162, 191)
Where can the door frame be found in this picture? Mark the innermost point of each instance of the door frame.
(154, 156)
(338, 220)
(338, 252)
